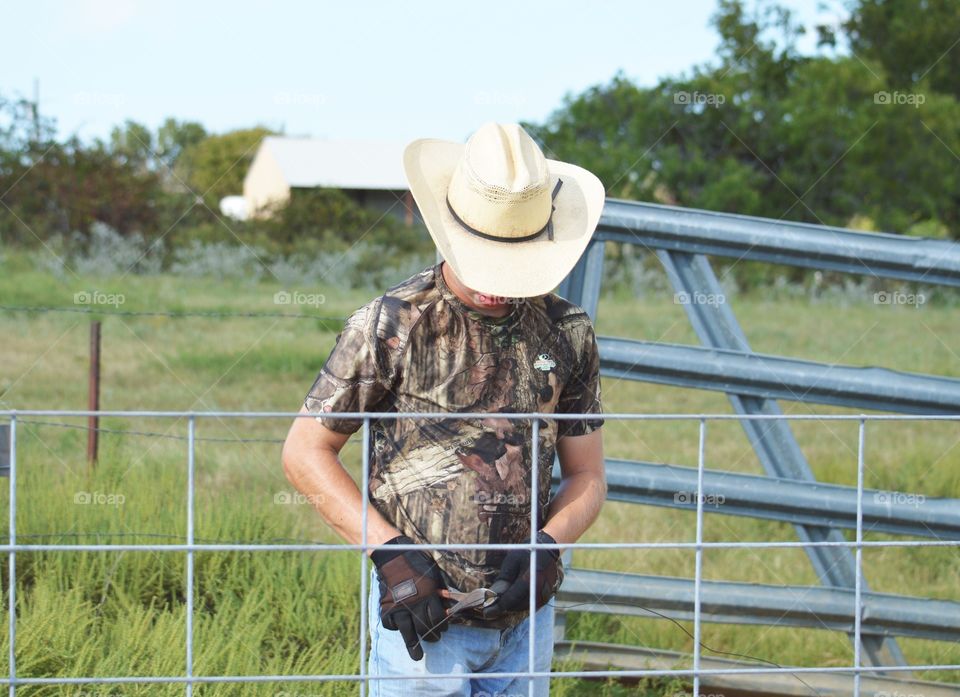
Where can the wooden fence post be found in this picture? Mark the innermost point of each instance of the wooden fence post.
(93, 398)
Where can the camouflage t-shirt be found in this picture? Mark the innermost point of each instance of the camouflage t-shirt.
(419, 348)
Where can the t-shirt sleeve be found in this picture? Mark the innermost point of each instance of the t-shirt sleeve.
(357, 375)
(581, 393)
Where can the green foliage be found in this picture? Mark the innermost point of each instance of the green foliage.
(59, 188)
(173, 137)
(215, 166)
(914, 40)
(136, 144)
(331, 218)
(22, 128)
(133, 144)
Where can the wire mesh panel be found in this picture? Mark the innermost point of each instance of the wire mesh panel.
(190, 546)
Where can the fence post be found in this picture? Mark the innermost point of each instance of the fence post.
(12, 563)
(4, 450)
(364, 541)
(93, 394)
(191, 497)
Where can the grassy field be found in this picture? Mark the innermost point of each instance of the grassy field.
(123, 613)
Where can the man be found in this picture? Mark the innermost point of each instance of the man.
(480, 332)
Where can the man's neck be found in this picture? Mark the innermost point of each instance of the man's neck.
(471, 298)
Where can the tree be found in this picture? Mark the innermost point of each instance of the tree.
(133, 144)
(22, 130)
(915, 41)
(173, 137)
(215, 166)
(71, 186)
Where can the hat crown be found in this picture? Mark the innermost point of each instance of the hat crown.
(501, 184)
(503, 161)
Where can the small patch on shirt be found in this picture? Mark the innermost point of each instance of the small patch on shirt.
(544, 363)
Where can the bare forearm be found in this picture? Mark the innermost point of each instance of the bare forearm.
(321, 477)
(575, 507)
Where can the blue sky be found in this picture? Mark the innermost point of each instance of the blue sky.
(378, 70)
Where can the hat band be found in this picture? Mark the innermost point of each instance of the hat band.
(548, 228)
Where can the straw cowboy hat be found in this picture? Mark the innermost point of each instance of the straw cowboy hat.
(509, 221)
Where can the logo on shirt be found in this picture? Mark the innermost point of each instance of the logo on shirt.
(544, 363)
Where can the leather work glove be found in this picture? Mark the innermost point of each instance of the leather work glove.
(409, 601)
(513, 584)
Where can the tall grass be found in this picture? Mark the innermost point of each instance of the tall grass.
(123, 613)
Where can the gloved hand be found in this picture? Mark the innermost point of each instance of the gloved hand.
(409, 601)
(513, 584)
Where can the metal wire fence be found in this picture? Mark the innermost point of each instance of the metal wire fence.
(363, 677)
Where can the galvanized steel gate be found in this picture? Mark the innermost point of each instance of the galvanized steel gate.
(682, 239)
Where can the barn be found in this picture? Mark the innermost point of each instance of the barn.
(370, 172)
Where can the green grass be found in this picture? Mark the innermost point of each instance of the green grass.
(123, 613)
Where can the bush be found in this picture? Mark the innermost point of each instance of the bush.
(104, 252)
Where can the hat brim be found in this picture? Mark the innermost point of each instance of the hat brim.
(508, 269)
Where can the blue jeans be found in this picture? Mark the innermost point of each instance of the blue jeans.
(461, 649)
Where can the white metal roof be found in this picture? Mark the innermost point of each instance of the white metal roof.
(342, 164)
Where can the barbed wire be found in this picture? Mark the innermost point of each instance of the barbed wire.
(161, 313)
(170, 536)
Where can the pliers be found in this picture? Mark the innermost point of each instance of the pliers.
(473, 600)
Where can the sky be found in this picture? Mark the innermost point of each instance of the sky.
(368, 70)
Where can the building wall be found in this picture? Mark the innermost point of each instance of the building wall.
(397, 203)
(264, 183)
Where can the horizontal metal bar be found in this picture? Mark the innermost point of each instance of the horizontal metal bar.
(787, 500)
(781, 242)
(776, 377)
(817, 607)
(471, 546)
(946, 416)
(592, 655)
(347, 677)
(843, 670)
